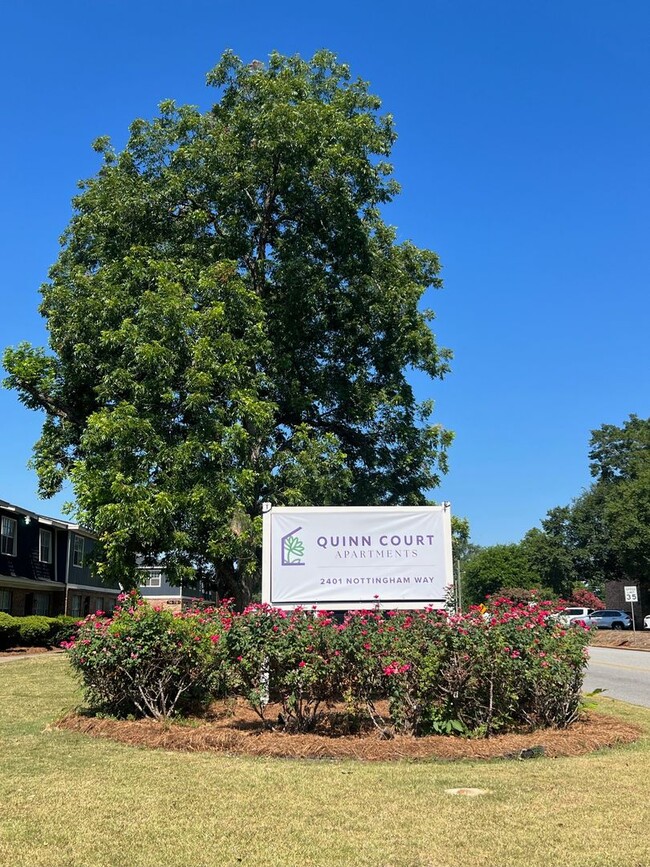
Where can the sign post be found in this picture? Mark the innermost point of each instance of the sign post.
(632, 596)
(347, 557)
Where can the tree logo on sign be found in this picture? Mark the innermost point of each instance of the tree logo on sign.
(292, 549)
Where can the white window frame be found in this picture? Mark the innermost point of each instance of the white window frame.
(4, 523)
(153, 579)
(42, 532)
(76, 552)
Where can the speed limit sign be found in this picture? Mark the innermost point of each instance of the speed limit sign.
(631, 594)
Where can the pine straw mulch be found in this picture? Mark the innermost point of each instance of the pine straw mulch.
(232, 728)
(639, 640)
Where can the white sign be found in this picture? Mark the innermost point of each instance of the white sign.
(342, 557)
(631, 594)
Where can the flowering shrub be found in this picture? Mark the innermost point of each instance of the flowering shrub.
(286, 658)
(480, 673)
(476, 673)
(584, 598)
(149, 662)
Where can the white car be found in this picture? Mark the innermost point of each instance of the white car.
(646, 621)
(572, 615)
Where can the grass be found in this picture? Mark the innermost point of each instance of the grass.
(67, 800)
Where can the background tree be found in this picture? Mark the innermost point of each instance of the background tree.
(549, 558)
(620, 463)
(604, 534)
(231, 321)
(495, 567)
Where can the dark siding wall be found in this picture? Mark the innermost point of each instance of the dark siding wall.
(61, 554)
(26, 563)
(198, 590)
(83, 574)
(165, 589)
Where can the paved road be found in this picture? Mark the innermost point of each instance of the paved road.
(625, 674)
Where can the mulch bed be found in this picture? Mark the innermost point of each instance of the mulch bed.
(234, 729)
(626, 639)
(28, 651)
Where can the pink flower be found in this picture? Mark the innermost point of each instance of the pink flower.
(214, 638)
(302, 664)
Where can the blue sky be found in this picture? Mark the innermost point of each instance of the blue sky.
(523, 153)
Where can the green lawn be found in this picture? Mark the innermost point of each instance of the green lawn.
(71, 801)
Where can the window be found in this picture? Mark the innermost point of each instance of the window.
(152, 580)
(99, 603)
(41, 604)
(5, 601)
(75, 605)
(78, 551)
(45, 546)
(8, 532)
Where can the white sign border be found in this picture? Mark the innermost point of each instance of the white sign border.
(365, 605)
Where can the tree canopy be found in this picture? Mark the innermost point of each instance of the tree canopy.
(231, 321)
(603, 535)
(494, 567)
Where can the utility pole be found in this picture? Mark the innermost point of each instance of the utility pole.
(459, 593)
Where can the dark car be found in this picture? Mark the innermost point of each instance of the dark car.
(609, 618)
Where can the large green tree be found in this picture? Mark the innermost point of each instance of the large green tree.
(231, 322)
(604, 534)
(611, 521)
(495, 567)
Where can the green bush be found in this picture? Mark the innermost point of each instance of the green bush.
(8, 630)
(63, 628)
(149, 662)
(34, 631)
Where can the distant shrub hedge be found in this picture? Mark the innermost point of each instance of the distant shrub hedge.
(36, 630)
(8, 631)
